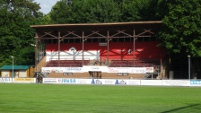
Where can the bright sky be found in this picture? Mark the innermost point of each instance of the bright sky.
(46, 5)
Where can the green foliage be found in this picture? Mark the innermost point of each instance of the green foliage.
(181, 34)
(60, 13)
(16, 16)
(44, 19)
(182, 27)
(85, 11)
(131, 10)
(90, 11)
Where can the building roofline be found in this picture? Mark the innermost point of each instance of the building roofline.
(97, 24)
(16, 67)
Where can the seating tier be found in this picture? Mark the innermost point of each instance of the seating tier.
(67, 63)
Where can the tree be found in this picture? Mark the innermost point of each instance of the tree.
(134, 10)
(85, 11)
(152, 10)
(181, 35)
(16, 16)
(61, 13)
(90, 11)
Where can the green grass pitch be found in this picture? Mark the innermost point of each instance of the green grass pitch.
(49, 98)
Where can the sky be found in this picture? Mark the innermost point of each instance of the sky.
(46, 5)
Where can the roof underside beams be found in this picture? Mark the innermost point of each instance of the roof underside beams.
(84, 31)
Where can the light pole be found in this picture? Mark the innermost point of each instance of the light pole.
(12, 66)
(189, 66)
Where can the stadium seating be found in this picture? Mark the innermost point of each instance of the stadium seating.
(131, 63)
(113, 63)
(66, 63)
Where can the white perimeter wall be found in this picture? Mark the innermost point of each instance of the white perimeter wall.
(122, 82)
(105, 81)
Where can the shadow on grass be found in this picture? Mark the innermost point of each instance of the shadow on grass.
(194, 108)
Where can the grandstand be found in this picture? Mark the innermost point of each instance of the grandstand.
(98, 50)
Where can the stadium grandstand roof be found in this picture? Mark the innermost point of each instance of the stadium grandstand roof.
(98, 24)
(78, 29)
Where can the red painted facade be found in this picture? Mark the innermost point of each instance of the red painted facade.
(117, 50)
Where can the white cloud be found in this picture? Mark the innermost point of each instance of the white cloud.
(46, 5)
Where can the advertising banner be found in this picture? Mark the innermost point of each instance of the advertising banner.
(83, 81)
(24, 80)
(137, 70)
(195, 82)
(6, 80)
(175, 83)
(95, 68)
(62, 69)
(115, 81)
(51, 80)
(68, 81)
(103, 81)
